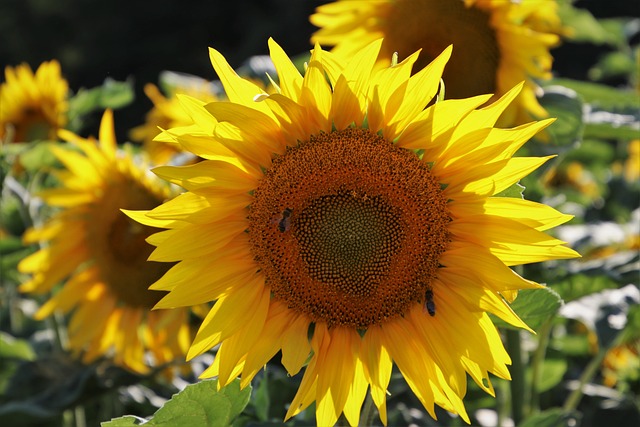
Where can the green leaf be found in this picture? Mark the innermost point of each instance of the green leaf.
(551, 418)
(10, 244)
(552, 372)
(572, 345)
(198, 405)
(238, 398)
(601, 96)
(11, 347)
(577, 285)
(38, 156)
(566, 106)
(112, 94)
(584, 28)
(126, 421)
(194, 408)
(116, 94)
(613, 64)
(534, 306)
(516, 191)
(615, 126)
(591, 110)
(262, 400)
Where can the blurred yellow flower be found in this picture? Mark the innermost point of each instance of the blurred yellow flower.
(166, 113)
(622, 363)
(101, 256)
(340, 222)
(632, 164)
(32, 107)
(497, 43)
(573, 175)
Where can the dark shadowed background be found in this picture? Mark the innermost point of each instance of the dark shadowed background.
(120, 39)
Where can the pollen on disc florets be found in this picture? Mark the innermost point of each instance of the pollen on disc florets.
(348, 228)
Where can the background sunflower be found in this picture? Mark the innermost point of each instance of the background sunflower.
(34, 105)
(593, 93)
(102, 258)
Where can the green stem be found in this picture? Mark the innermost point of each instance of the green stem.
(368, 411)
(590, 371)
(538, 358)
(80, 417)
(517, 375)
(574, 398)
(502, 404)
(57, 322)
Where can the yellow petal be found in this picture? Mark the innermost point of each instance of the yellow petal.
(229, 315)
(237, 89)
(335, 375)
(289, 77)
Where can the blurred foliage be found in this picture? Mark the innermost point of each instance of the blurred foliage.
(588, 312)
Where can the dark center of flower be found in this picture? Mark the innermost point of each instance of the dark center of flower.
(119, 247)
(348, 241)
(33, 125)
(432, 25)
(348, 228)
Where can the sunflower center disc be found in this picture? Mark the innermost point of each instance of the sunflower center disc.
(348, 241)
(348, 228)
(119, 244)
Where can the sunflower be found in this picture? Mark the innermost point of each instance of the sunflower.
(33, 107)
(622, 363)
(166, 113)
(498, 42)
(341, 222)
(101, 255)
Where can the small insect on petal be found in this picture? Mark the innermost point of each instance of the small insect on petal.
(429, 305)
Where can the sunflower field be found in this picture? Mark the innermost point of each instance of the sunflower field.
(320, 213)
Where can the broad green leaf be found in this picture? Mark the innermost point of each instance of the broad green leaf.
(516, 191)
(12, 215)
(615, 126)
(126, 421)
(632, 329)
(566, 106)
(593, 151)
(112, 94)
(198, 405)
(573, 345)
(10, 244)
(583, 27)
(551, 373)
(38, 156)
(238, 398)
(601, 96)
(11, 347)
(534, 306)
(577, 285)
(555, 417)
(116, 94)
(613, 64)
(262, 400)
(194, 409)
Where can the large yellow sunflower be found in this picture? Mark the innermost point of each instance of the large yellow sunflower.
(101, 255)
(498, 43)
(166, 113)
(32, 106)
(342, 223)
